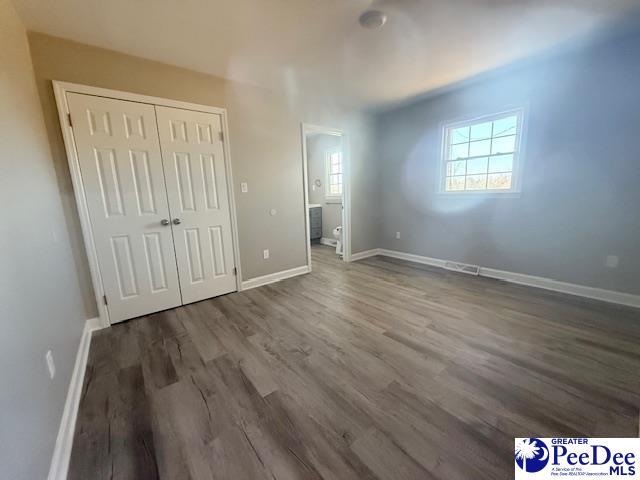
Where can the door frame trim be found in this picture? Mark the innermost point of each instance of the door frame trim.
(309, 128)
(60, 90)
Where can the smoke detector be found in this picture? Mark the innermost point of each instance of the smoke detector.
(373, 19)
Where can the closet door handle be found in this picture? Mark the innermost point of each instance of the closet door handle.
(177, 221)
(164, 222)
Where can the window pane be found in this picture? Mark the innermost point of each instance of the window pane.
(477, 165)
(481, 131)
(499, 181)
(505, 126)
(459, 151)
(501, 163)
(456, 168)
(454, 183)
(504, 144)
(334, 165)
(459, 135)
(476, 182)
(481, 155)
(480, 148)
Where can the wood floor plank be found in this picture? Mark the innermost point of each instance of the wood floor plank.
(131, 430)
(378, 369)
(157, 364)
(193, 319)
(386, 459)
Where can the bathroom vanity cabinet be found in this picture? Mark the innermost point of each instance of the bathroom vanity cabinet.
(315, 223)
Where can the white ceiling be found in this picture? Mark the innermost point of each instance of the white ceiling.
(317, 45)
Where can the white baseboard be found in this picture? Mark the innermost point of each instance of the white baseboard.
(610, 296)
(366, 254)
(435, 262)
(274, 277)
(328, 241)
(64, 441)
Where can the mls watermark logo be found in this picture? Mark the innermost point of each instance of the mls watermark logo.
(532, 454)
(578, 458)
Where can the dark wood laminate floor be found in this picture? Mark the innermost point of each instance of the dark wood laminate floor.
(379, 369)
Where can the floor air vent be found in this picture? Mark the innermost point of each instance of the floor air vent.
(462, 267)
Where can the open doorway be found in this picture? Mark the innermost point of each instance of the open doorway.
(325, 164)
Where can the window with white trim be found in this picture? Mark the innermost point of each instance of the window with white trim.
(482, 155)
(334, 175)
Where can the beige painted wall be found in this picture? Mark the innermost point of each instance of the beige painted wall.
(317, 146)
(40, 300)
(265, 146)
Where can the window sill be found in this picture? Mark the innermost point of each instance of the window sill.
(481, 194)
(333, 200)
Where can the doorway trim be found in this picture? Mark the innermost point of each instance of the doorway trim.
(60, 90)
(309, 128)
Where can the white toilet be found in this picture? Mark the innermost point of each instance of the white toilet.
(337, 234)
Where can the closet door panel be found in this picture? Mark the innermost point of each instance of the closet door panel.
(194, 164)
(122, 173)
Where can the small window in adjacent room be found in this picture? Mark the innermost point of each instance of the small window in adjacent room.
(482, 155)
(334, 175)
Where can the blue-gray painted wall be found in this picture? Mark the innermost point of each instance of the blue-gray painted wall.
(580, 197)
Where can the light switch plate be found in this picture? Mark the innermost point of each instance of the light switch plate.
(244, 187)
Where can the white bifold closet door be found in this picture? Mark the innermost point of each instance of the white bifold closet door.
(193, 156)
(156, 188)
(121, 165)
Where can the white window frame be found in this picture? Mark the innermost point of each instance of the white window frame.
(327, 169)
(516, 172)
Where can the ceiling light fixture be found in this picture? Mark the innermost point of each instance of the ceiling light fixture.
(373, 19)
